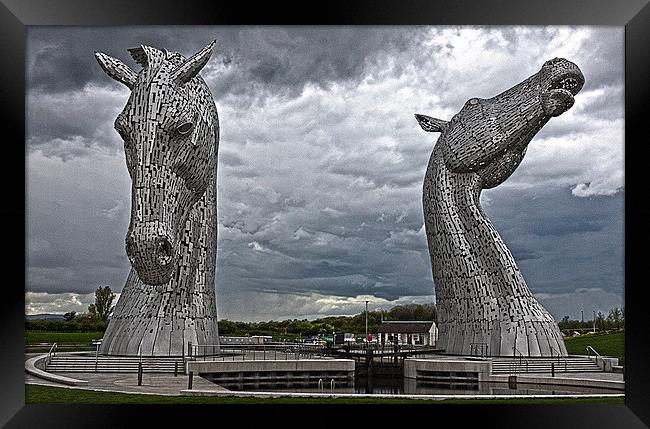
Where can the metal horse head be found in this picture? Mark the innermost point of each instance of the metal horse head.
(489, 136)
(170, 130)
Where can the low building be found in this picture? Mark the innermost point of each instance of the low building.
(255, 339)
(414, 332)
(344, 338)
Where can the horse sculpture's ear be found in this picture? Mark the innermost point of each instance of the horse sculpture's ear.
(191, 67)
(147, 56)
(430, 124)
(116, 69)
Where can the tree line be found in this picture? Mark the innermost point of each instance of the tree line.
(96, 319)
(325, 326)
(614, 320)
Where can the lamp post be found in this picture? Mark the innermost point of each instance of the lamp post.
(594, 320)
(366, 322)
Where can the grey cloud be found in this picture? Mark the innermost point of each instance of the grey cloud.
(321, 162)
(522, 254)
(283, 57)
(46, 58)
(576, 242)
(229, 158)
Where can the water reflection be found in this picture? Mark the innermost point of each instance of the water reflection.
(408, 386)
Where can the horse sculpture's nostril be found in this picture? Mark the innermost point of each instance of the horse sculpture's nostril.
(130, 246)
(164, 251)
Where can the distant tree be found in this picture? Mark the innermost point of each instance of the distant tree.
(70, 315)
(413, 312)
(615, 318)
(600, 322)
(103, 303)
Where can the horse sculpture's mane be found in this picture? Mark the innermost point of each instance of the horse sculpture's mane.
(171, 132)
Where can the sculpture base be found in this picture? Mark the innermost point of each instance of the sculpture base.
(155, 320)
(499, 338)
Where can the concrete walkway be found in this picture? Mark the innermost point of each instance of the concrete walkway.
(152, 384)
(609, 376)
(168, 384)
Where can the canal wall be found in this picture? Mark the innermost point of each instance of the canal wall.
(261, 373)
(448, 370)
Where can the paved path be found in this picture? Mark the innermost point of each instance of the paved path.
(158, 384)
(609, 376)
(167, 384)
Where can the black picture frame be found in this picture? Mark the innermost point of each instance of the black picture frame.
(16, 15)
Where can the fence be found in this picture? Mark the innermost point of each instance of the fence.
(223, 352)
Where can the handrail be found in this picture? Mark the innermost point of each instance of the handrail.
(521, 356)
(97, 343)
(265, 351)
(475, 346)
(50, 354)
(597, 355)
(559, 355)
(588, 348)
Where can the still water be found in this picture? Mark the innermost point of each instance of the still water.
(404, 386)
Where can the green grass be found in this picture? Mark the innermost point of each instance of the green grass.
(35, 337)
(66, 341)
(605, 344)
(56, 395)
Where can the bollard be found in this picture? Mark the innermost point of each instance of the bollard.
(552, 369)
(189, 380)
(512, 382)
(369, 358)
(176, 369)
(139, 373)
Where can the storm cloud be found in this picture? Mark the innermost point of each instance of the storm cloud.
(321, 162)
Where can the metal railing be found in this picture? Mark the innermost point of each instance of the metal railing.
(596, 356)
(481, 349)
(291, 351)
(50, 354)
(321, 385)
(513, 367)
(234, 352)
(559, 356)
(96, 343)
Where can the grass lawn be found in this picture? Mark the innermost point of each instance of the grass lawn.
(51, 395)
(35, 337)
(66, 341)
(605, 344)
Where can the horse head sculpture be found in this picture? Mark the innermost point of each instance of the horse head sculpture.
(170, 130)
(482, 298)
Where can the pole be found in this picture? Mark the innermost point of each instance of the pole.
(594, 320)
(367, 322)
(96, 356)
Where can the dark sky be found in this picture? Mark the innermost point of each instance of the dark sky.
(321, 163)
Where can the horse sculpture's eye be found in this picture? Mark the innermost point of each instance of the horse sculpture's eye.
(184, 129)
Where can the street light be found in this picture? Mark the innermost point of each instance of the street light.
(366, 321)
(594, 320)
